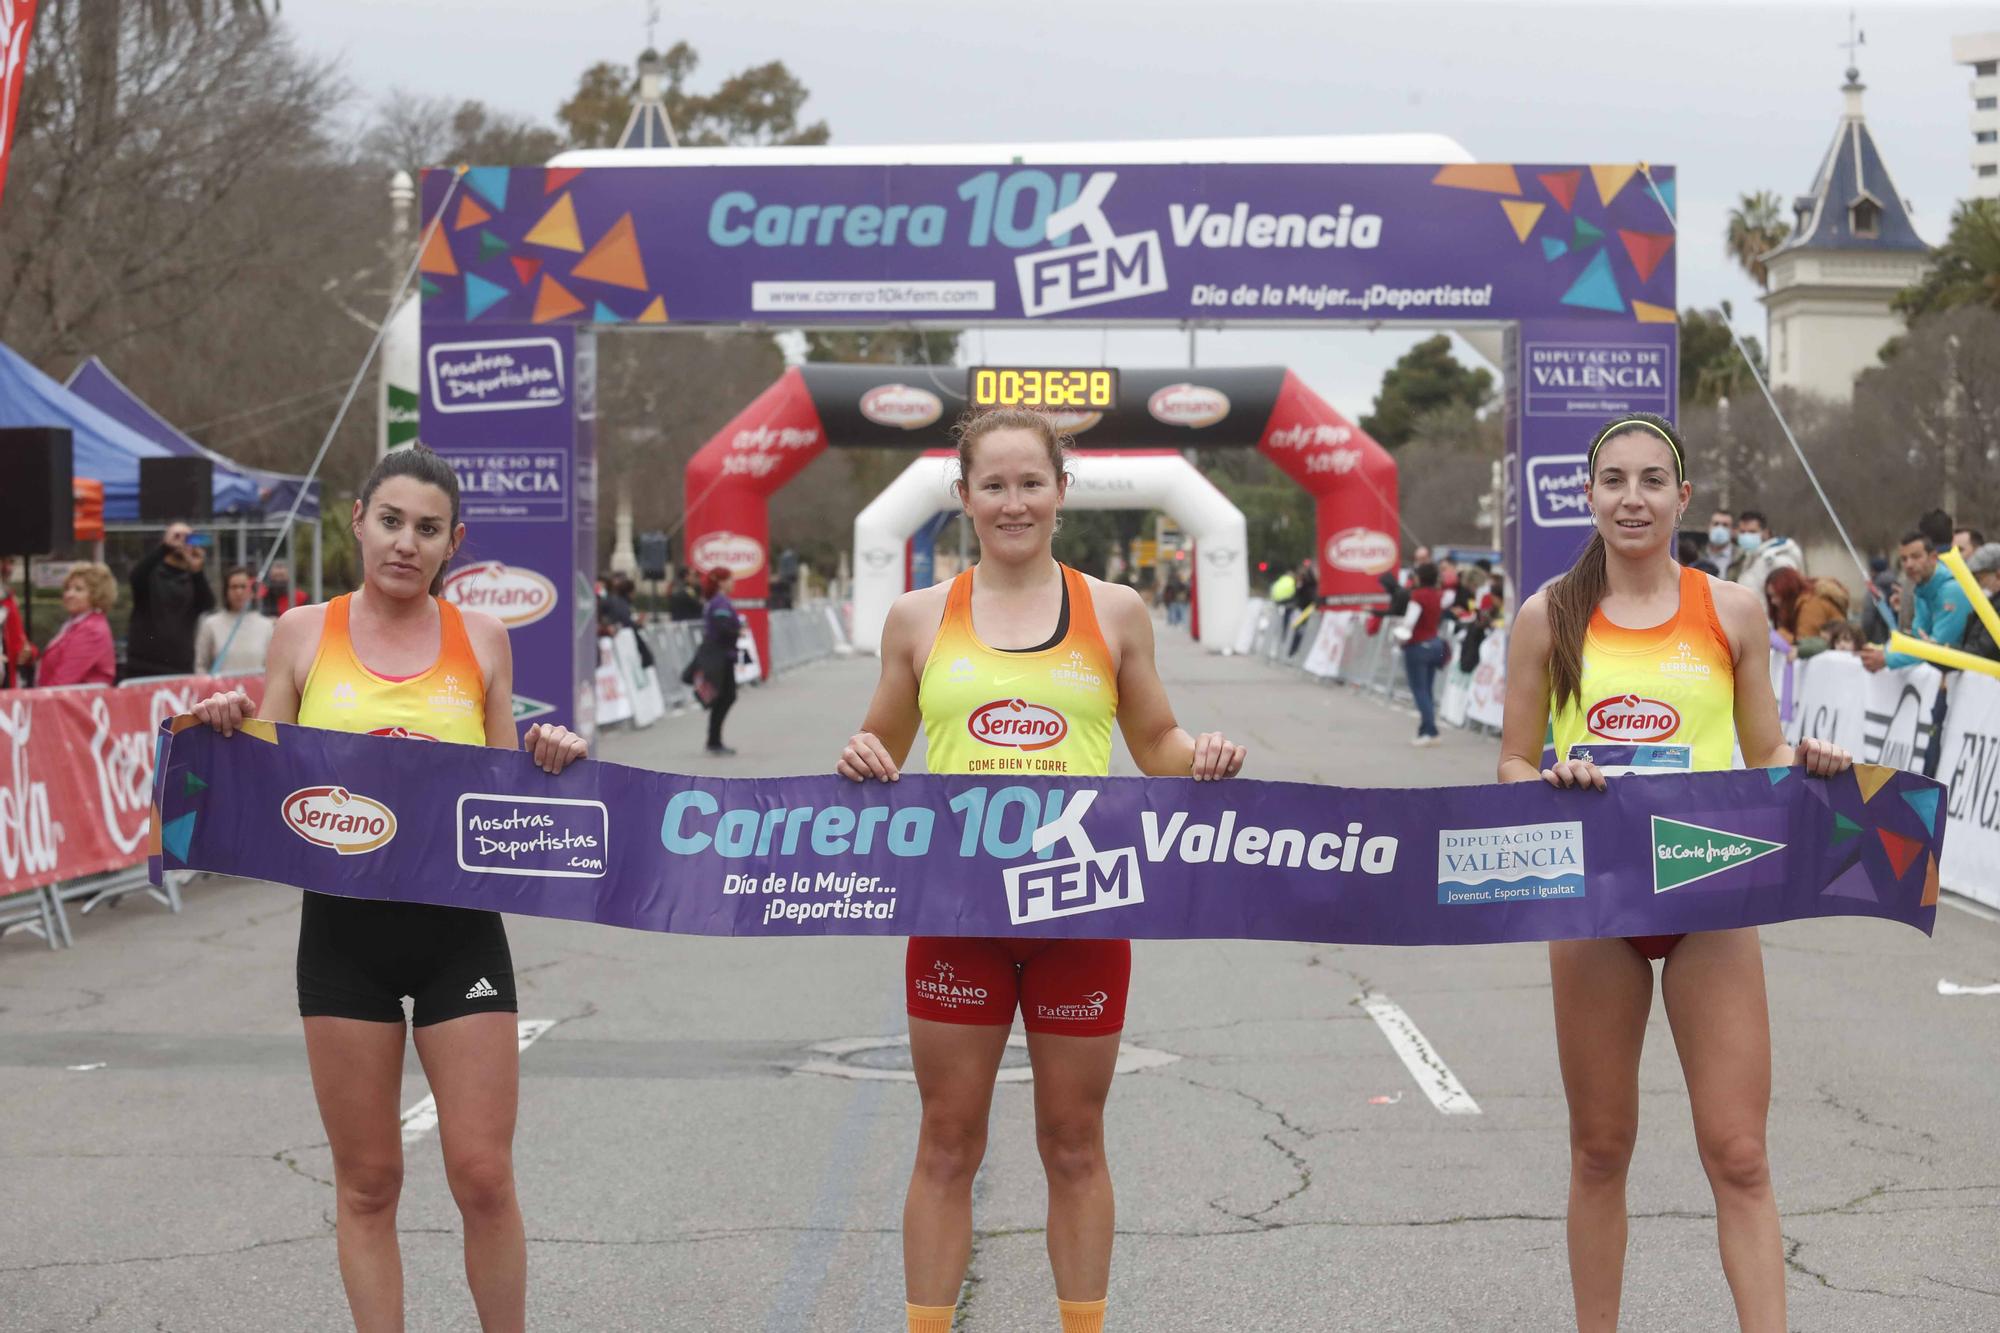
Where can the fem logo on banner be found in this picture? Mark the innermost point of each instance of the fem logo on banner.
(500, 375)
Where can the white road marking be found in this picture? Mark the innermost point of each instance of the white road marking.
(1953, 988)
(422, 1118)
(1426, 1066)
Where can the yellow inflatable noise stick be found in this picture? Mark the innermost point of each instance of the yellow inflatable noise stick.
(1981, 604)
(1952, 659)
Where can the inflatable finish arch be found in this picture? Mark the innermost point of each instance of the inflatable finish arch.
(731, 479)
(1126, 479)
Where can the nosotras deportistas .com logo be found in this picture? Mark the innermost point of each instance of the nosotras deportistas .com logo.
(1684, 853)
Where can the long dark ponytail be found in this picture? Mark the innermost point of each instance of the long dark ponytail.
(419, 463)
(1573, 598)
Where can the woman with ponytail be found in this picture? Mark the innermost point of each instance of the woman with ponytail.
(398, 659)
(1629, 627)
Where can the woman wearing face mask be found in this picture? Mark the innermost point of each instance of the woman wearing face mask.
(1627, 620)
(1017, 630)
(396, 659)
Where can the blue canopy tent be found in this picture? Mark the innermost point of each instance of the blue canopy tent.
(95, 384)
(104, 448)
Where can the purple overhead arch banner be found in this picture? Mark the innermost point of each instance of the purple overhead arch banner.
(1575, 262)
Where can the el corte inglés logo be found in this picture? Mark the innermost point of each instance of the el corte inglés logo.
(338, 818)
(1684, 853)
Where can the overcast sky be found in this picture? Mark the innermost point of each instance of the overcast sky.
(1737, 96)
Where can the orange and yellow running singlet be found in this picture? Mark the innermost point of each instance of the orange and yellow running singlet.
(359, 957)
(1655, 700)
(445, 703)
(1049, 710)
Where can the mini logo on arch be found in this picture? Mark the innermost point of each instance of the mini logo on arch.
(903, 406)
(512, 594)
(1190, 405)
(1361, 551)
(1630, 717)
(335, 817)
(1017, 724)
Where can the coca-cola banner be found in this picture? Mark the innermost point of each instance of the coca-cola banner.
(76, 767)
(1151, 858)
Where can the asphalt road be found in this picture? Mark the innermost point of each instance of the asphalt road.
(163, 1166)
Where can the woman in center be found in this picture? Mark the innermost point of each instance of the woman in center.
(1018, 636)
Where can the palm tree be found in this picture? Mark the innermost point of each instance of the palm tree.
(1756, 227)
(1965, 270)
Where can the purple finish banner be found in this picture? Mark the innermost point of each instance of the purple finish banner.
(1148, 858)
(787, 245)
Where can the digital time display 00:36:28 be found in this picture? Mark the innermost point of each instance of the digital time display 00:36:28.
(1087, 388)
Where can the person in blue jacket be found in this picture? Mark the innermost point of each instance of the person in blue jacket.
(1942, 608)
(1940, 616)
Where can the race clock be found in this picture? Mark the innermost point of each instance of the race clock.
(1054, 388)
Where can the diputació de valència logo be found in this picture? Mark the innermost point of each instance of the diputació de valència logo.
(1513, 863)
(333, 816)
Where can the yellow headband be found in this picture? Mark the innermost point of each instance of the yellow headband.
(1635, 423)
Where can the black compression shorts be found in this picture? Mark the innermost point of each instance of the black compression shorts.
(358, 958)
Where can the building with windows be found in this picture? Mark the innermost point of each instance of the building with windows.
(1981, 50)
(1852, 248)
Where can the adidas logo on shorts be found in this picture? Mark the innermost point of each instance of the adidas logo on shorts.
(482, 991)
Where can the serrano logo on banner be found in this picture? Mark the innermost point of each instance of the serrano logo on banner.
(337, 818)
(1632, 719)
(902, 406)
(1361, 551)
(1190, 405)
(1018, 724)
(502, 375)
(742, 556)
(512, 594)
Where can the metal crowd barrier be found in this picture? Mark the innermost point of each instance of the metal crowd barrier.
(799, 635)
(1372, 663)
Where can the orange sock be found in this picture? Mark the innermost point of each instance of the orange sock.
(1081, 1316)
(930, 1318)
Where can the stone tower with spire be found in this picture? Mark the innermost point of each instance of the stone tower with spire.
(1852, 248)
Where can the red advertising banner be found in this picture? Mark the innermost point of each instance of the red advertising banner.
(76, 773)
(17, 22)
